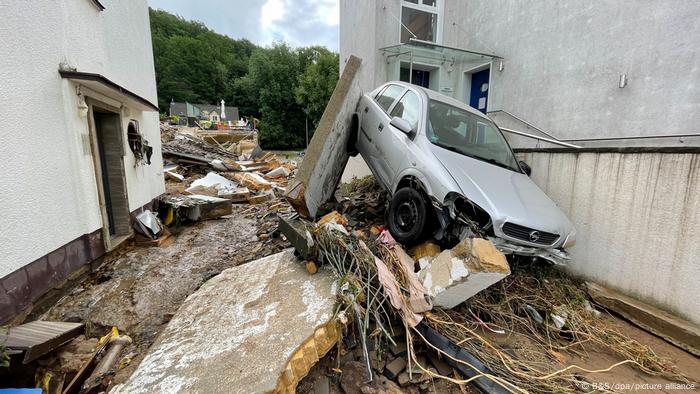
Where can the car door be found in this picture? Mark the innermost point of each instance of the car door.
(397, 144)
(375, 119)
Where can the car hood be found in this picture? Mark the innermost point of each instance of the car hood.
(504, 194)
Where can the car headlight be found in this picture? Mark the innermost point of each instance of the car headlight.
(570, 240)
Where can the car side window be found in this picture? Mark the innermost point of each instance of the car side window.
(408, 108)
(387, 97)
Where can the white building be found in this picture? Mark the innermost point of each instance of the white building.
(620, 79)
(79, 112)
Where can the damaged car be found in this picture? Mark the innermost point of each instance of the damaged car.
(451, 174)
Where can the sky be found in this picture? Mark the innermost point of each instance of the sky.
(297, 22)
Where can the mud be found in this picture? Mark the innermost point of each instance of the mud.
(139, 289)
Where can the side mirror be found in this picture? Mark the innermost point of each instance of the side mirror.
(401, 124)
(526, 168)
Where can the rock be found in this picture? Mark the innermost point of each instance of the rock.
(457, 274)
(354, 379)
(395, 367)
(399, 349)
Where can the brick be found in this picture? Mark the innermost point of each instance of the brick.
(395, 367)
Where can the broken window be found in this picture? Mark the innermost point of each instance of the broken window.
(419, 19)
(139, 147)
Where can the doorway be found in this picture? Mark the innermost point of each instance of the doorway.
(108, 150)
(477, 92)
(419, 74)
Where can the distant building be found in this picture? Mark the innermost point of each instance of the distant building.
(71, 183)
(203, 111)
(621, 79)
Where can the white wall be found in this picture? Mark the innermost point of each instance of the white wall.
(636, 217)
(48, 188)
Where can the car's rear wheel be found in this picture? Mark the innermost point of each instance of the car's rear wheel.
(407, 216)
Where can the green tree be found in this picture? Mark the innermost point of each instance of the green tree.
(317, 82)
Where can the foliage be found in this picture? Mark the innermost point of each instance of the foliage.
(278, 85)
(317, 82)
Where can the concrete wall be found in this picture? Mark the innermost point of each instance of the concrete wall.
(562, 61)
(636, 216)
(48, 188)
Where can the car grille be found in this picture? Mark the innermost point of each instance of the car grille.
(524, 233)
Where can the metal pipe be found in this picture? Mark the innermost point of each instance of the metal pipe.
(636, 137)
(551, 141)
(528, 124)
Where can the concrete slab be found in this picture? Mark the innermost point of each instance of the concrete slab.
(457, 274)
(673, 329)
(326, 157)
(253, 328)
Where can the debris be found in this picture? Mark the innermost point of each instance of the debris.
(241, 194)
(395, 367)
(355, 380)
(278, 172)
(197, 207)
(671, 328)
(106, 366)
(39, 337)
(457, 274)
(327, 155)
(533, 313)
(214, 180)
(148, 225)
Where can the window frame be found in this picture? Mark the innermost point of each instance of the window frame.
(438, 10)
(398, 97)
(418, 110)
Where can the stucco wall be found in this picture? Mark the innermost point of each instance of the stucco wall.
(48, 188)
(636, 217)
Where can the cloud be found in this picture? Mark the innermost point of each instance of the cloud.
(298, 22)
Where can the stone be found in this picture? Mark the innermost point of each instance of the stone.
(442, 367)
(395, 367)
(457, 274)
(399, 349)
(257, 327)
(355, 379)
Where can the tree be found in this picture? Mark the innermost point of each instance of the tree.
(317, 82)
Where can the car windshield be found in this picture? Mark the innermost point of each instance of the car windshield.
(468, 134)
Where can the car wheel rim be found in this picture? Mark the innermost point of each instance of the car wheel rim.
(406, 215)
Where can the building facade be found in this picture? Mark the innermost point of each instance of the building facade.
(608, 94)
(73, 180)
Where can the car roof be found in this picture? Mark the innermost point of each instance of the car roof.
(433, 95)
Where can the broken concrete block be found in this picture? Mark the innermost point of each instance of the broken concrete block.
(267, 195)
(279, 172)
(253, 181)
(262, 337)
(198, 207)
(213, 180)
(326, 157)
(241, 194)
(457, 274)
(395, 367)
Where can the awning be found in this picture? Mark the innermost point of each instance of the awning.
(415, 50)
(102, 85)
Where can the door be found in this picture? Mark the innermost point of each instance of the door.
(419, 77)
(110, 150)
(374, 123)
(479, 90)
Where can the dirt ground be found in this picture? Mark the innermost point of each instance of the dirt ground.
(139, 289)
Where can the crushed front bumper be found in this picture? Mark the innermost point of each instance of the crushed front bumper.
(555, 256)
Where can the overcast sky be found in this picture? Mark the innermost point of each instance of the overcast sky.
(298, 22)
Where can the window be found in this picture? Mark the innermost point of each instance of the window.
(408, 108)
(468, 134)
(387, 97)
(419, 18)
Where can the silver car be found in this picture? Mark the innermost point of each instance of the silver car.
(451, 174)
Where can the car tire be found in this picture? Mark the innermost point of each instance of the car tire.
(407, 216)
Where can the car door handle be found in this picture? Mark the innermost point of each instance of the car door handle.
(380, 127)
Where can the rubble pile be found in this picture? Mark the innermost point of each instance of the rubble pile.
(416, 315)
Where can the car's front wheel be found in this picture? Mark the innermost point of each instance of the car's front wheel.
(407, 216)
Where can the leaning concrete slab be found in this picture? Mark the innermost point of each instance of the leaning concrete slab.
(457, 274)
(254, 328)
(673, 329)
(326, 157)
